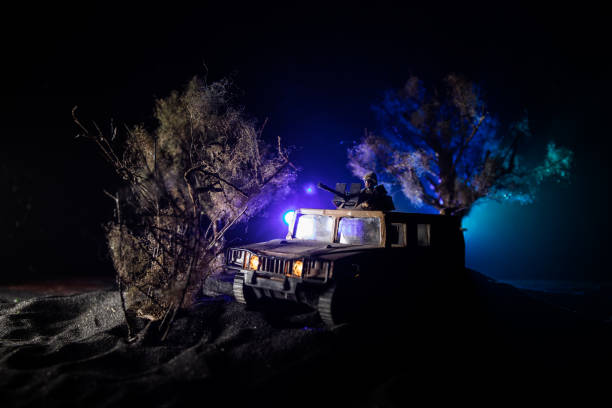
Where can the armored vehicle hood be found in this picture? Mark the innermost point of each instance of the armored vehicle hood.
(297, 248)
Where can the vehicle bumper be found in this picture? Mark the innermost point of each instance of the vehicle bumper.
(271, 285)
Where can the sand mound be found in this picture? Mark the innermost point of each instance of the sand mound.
(71, 350)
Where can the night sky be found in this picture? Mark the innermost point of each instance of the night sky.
(314, 72)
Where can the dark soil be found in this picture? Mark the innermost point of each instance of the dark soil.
(473, 337)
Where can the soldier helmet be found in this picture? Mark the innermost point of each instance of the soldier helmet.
(371, 176)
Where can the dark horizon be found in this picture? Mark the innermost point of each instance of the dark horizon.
(315, 76)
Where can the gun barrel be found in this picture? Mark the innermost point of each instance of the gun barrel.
(344, 195)
(331, 190)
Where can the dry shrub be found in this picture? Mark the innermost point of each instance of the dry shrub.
(202, 169)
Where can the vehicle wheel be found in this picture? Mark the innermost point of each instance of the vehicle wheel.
(333, 305)
(243, 293)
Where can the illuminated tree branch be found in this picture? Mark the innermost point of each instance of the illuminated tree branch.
(424, 142)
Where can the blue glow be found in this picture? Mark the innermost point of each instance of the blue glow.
(309, 190)
(288, 216)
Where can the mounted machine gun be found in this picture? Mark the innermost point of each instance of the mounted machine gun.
(343, 198)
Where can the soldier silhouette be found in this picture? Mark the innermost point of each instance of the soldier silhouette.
(374, 196)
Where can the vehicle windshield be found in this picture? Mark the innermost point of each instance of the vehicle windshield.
(314, 227)
(360, 231)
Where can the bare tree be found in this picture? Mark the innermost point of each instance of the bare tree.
(443, 149)
(203, 169)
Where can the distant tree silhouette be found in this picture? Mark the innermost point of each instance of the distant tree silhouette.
(442, 148)
(202, 169)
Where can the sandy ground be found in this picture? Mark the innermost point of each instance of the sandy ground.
(70, 349)
(17, 292)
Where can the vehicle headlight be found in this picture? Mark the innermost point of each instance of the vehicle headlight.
(297, 268)
(254, 262)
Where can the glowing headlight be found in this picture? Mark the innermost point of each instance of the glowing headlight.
(254, 262)
(297, 268)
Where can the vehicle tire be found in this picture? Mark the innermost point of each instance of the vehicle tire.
(333, 305)
(243, 293)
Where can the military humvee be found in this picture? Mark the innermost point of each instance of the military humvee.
(340, 262)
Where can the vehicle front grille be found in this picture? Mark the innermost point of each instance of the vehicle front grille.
(235, 257)
(275, 265)
(310, 268)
